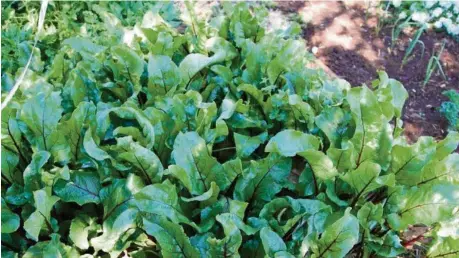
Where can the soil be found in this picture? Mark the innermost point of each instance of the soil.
(347, 42)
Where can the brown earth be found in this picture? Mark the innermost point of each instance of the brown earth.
(345, 35)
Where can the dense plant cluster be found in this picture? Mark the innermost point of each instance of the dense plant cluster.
(148, 134)
(450, 109)
(440, 15)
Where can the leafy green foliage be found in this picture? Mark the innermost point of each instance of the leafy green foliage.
(450, 109)
(137, 136)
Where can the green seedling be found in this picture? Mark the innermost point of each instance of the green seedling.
(433, 65)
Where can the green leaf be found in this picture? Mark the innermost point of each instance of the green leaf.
(82, 188)
(32, 174)
(52, 248)
(332, 122)
(41, 114)
(366, 178)
(193, 63)
(10, 220)
(288, 143)
(263, 179)
(129, 63)
(191, 153)
(120, 212)
(407, 161)
(273, 243)
(162, 199)
(286, 215)
(9, 162)
(441, 170)
(338, 238)
(147, 163)
(370, 136)
(82, 84)
(83, 44)
(16, 195)
(246, 145)
(208, 197)
(80, 228)
(444, 247)
(74, 129)
(392, 95)
(170, 236)
(230, 244)
(344, 158)
(426, 204)
(44, 203)
(369, 215)
(321, 165)
(92, 149)
(130, 113)
(447, 145)
(293, 51)
(390, 245)
(163, 75)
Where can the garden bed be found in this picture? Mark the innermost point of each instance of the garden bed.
(348, 45)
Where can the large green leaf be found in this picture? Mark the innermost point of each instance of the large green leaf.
(80, 228)
(263, 179)
(41, 114)
(321, 165)
(332, 122)
(129, 63)
(170, 236)
(441, 170)
(370, 140)
(161, 199)
(366, 178)
(74, 129)
(290, 142)
(163, 75)
(391, 94)
(147, 128)
(10, 220)
(200, 168)
(273, 244)
(32, 174)
(338, 238)
(426, 204)
(82, 188)
(447, 247)
(230, 244)
(120, 212)
(144, 160)
(408, 161)
(246, 145)
(193, 63)
(52, 248)
(44, 203)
